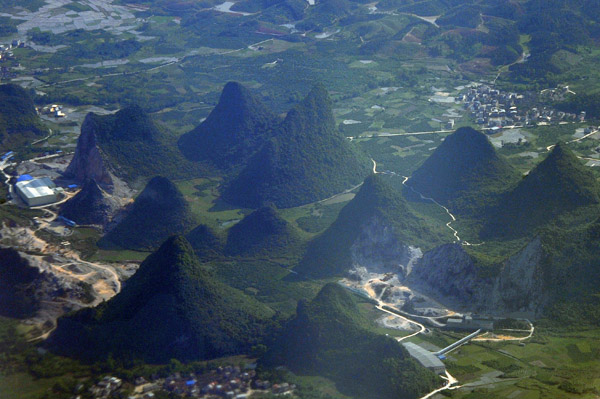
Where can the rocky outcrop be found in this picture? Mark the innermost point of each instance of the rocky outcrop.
(520, 285)
(449, 274)
(88, 162)
(378, 249)
(90, 206)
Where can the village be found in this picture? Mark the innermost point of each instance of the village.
(6, 54)
(493, 109)
(229, 382)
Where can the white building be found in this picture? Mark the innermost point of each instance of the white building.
(426, 358)
(37, 192)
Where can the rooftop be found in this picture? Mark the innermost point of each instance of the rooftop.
(423, 356)
(37, 187)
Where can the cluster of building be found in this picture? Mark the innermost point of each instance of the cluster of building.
(7, 156)
(54, 109)
(494, 108)
(7, 54)
(228, 382)
(557, 94)
(106, 387)
(6, 49)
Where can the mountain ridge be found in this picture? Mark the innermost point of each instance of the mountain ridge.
(328, 337)
(464, 172)
(557, 185)
(307, 159)
(158, 212)
(171, 308)
(233, 131)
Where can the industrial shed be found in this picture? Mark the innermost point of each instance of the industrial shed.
(37, 192)
(426, 358)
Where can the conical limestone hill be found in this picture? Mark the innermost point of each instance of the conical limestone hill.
(171, 308)
(205, 242)
(90, 206)
(376, 210)
(234, 130)
(462, 171)
(330, 338)
(558, 184)
(306, 160)
(261, 232)
(128, 145)
(158, 212)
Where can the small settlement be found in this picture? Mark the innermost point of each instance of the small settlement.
(494, 108)
(229, 382)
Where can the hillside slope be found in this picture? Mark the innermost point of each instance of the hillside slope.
(205, 242)
(158, 212)
(376, 223)
(17, 295)
(263, 232)
(129, 145)
(464, 172)
(558, 184)
(90, 206)
(328, 337)
(19, 122)
(171, 308)
(306, 160)
(234, 130)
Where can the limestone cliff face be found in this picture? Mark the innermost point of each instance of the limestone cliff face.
(520, 284)
(378, 249)
(88, 162)
(449, 273)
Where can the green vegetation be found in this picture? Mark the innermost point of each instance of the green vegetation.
(570, 273)
(234, 130)
(206, 243)
(328, 337)
(321, 216)
(463, 173)
(158, 212)
(17, 294)
(556, 363)
(15, 216)
(377, 208)
(381, 69)
(262, 232)
(19, 122)
(7, 26)
(135, 146)
(557, 185)
(31, 5)
(89, 206)
(305, 161)
(170, 297)
(267, 280)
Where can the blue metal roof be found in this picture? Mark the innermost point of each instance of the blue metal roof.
(25, 178)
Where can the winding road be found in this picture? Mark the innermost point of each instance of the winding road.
(457, 238)
(450, 380)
